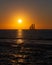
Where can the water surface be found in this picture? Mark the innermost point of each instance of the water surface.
(25, 47)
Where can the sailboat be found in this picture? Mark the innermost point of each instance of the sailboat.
(32, 27)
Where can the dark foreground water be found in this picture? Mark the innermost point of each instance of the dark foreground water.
(23, 48)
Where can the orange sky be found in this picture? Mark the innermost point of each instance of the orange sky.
(31, 12)
(10, 22)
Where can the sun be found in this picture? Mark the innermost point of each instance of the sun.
(19, 21)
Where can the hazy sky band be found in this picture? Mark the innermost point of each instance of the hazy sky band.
(40, 10)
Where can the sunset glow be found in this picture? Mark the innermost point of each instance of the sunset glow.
(19, 21)
(19, 14)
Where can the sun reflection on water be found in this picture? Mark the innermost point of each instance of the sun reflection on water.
(20, 36)
(20, 41)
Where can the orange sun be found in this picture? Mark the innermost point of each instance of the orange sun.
(19, 21)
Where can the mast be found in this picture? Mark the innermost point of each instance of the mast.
(32, 27)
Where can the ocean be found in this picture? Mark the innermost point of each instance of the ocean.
(25, 47)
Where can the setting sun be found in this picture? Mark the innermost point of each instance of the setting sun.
(19, 21)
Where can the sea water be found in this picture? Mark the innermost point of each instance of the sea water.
(25, 47)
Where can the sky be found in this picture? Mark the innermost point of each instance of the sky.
(38, 12)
